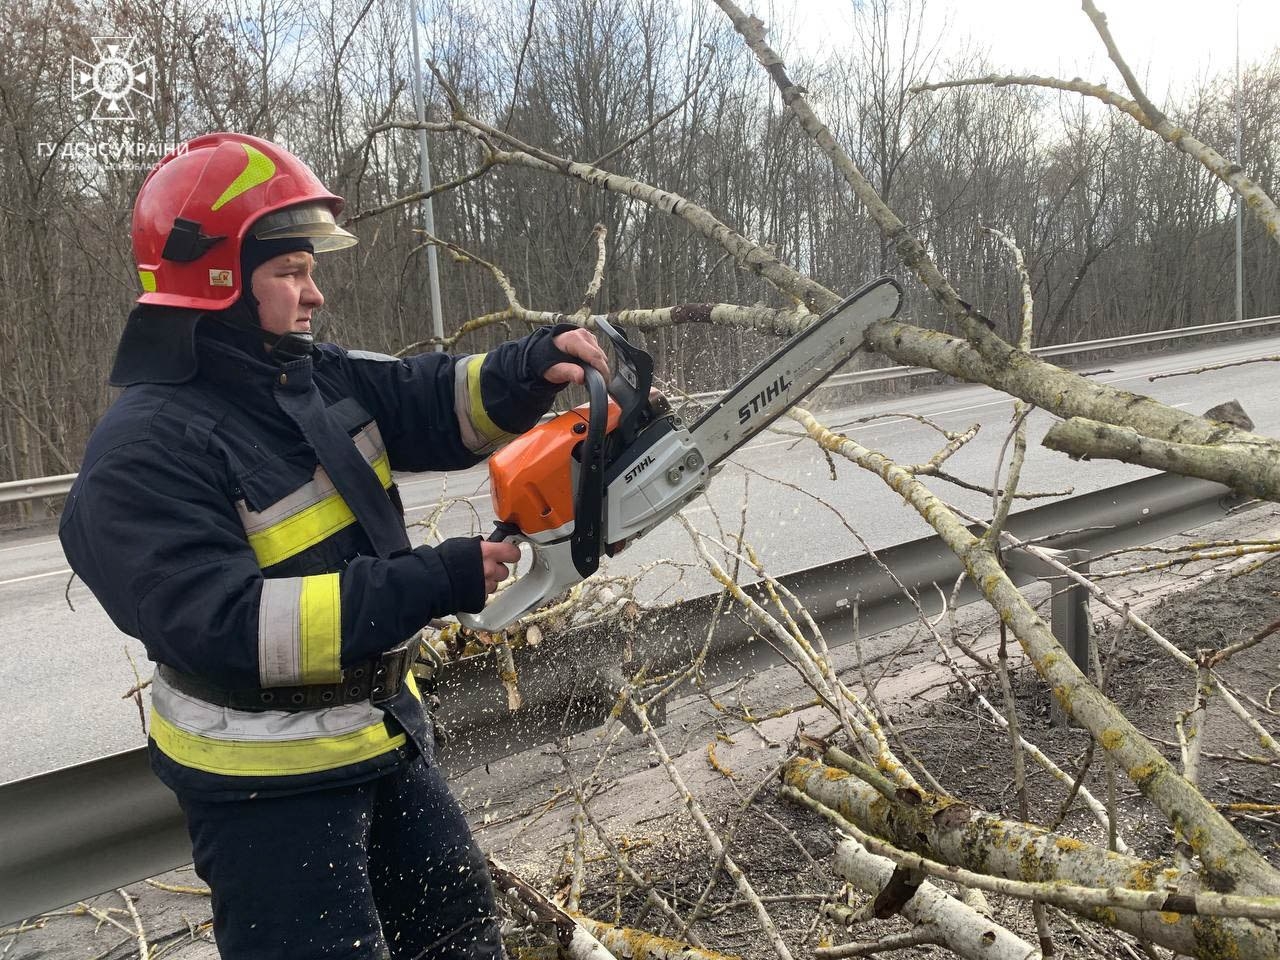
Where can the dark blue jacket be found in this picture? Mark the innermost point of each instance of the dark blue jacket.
(204, 524)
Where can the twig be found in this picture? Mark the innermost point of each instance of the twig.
(417, 197)
(175, 888)
(1212, 366)
(1240, 756)
(1229, 651)
(506, 662)
(1189, 558)
(638, 943)
(1101, 677)
(1002, 504)
(136, 692)
(1020, 770)
(600, 160)
(144, 953)
(1182, 548)
(597, 276)
(104, 916)
(14, 932)
(920, 936)
(709, 833)
(574, 900)
(1077, 783)
(524, 50)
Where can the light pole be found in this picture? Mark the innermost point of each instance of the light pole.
(1239, 199)
(424, 177)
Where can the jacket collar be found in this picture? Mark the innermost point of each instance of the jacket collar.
(168, 345)
(234, 357)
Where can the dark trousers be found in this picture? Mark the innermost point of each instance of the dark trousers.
(385, 868)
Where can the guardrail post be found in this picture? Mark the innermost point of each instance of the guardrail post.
(1069, 606)
(1069, 615)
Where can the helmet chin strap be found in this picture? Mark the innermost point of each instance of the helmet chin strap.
(280, 347)
(288, 347)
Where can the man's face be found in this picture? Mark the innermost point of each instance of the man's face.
(286, 292)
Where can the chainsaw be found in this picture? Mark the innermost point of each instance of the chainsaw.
(597, 477)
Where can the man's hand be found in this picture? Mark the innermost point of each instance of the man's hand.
(497, 554)
(583, 345)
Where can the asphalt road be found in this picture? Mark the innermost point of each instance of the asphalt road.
(65, 666)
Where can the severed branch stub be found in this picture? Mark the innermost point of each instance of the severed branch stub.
(572, 937)
(1067, 872)
(949, 922)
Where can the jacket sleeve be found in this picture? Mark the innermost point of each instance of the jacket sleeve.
(438, 411)
(157, 539)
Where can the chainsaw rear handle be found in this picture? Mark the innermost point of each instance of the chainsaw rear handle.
(552, 573)
(560, 563)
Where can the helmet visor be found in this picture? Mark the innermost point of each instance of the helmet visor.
(311, 220)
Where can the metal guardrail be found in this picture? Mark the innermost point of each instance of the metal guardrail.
(1155, 336)
(91, 827)
(1056, 350)
(14, 491)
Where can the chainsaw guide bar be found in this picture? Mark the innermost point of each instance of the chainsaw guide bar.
(793, 371)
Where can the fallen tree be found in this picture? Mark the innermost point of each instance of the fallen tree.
(1217, 899)
(904, 837)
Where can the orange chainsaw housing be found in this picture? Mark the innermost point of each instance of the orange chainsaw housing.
(530, 478)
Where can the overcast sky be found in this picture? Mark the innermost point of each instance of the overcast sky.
(1171, 42)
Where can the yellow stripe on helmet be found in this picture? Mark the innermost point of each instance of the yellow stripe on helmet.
(258, 170)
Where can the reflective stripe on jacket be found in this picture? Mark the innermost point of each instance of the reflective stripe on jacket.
(205, 525)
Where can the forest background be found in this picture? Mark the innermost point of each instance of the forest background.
(1120, 233)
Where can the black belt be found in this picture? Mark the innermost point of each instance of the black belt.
(373, 681)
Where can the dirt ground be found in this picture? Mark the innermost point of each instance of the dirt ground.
(522, 816)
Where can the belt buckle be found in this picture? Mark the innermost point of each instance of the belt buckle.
(390, 670)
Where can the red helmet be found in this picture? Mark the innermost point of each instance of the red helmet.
(199, 203)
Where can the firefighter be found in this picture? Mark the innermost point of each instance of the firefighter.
(236, 512)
